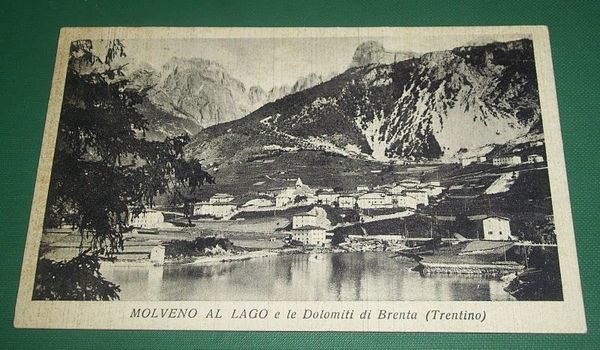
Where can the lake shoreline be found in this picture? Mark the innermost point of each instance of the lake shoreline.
(207, 259)
(280, 275)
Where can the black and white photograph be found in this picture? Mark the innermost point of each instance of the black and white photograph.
(372, 166)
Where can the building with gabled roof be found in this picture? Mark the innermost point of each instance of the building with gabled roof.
(497, 228)
(373, 200)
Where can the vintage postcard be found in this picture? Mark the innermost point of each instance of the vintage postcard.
(302, 179)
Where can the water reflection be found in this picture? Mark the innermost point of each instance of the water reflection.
(335, 276)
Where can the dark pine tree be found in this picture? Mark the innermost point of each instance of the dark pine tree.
(104, 170)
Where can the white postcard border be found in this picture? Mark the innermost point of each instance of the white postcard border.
(513, 316)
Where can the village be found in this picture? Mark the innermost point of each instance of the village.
(327, 219)
(454, 219)
(483, 216)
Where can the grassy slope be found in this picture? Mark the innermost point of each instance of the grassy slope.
(315, 168)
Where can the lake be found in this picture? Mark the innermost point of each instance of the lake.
(324, 277)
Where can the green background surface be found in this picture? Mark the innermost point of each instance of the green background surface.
(28, 43)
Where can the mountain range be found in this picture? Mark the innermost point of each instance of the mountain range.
(429, 106)
(187, 95)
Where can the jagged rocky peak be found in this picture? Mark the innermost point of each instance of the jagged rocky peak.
(141, 75)
(257, 95)
(208, 68)
(303, 83)
(194, 73)
(278, 92)
(186, 95)
(373, 52)
(309, 81)
(200, 90)
(367, 53)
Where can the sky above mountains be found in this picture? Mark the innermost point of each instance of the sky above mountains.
(271, 62)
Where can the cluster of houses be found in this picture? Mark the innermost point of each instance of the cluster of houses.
(405, 194)
(503, 160)
(311, 229)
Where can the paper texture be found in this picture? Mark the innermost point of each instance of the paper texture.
(302, 179)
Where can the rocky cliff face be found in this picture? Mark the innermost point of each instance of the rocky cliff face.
(430, 107)
(373, 52)
(201, 91)
(188, 95)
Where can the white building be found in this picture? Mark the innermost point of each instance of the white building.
(347, 201)
(221, 198)
(285, 197)
(536, 143)
(315, 217)
(328, 198)
(300, 194)
(403, 201)
(535, 158)
(148, 218)
(373, 200)
(497, 228)
(310, 235)
(299, 183)
(507, 160)
(397, 189)
(258, 203)
(464, 161)
(216, 210)
(467, 160)
(157, 255)
(304, 219)
(421, 196)
(363, 188)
